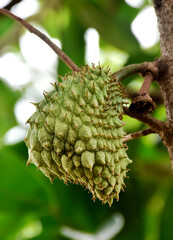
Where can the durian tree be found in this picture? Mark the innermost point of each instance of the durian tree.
(77, 131)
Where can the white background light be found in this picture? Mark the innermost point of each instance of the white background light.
(3, 3)
(19, 73)
(135, 3)
(36, 52)
(14, 135)
(92, 51)
(24, 9)
(144, 27)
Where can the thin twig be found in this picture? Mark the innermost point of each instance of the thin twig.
(138, 134)
(155, 124)
(33, 30)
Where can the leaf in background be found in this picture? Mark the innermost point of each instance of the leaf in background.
(73, 44)
(153, 211)
(22, 185)
(113, 26)
(24, 192)
(56, 19)
(8, 97)
(166, 231)
(6, 24)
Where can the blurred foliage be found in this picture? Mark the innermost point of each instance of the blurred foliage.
(30, 206)
(8, 97)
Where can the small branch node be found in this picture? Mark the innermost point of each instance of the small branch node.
(143, 103)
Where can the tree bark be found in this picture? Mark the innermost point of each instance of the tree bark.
(164, 12)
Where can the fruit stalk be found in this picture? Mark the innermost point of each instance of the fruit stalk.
(143, 103)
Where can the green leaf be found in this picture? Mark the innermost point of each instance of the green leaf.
(112, 22)
(23, 188)
(166, 223)
(8, 97)
(73, 44)
(6, 24)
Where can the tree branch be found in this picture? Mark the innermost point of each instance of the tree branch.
(146, 84)
(163, 9)
(154, 124)
(136, 68)
(12, 3)
(141, 133)
(164, 14)
(155, 95)
(143, 103)
(55, 48)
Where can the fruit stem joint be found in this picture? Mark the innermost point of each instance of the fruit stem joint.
(143, 103)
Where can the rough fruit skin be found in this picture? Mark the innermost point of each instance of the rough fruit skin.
(77, 130)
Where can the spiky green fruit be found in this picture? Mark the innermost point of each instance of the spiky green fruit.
(77, 134)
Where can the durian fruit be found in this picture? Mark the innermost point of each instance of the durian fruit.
(76, 133)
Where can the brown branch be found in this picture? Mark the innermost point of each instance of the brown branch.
(148, 78)
(143, 103)
(136, 68)
(12, 3)
(155, 95)
(155, 124)
(164, 14)
(33, 30)
(138, 134)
